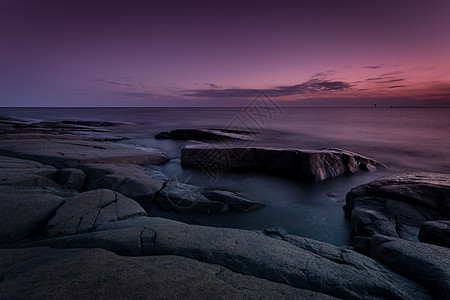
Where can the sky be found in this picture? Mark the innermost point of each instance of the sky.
(210, 53)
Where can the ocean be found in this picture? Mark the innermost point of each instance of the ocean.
(404, 139)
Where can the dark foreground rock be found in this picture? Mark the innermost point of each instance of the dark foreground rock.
(308, 165)
(85, 211)
(66, 153)
(186, 198)
(25, 211)
(397, 206)
(435, 232)
(206, 134)
(44, 273)
(424, 263)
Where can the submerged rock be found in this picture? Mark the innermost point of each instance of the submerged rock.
(309, 165)
(398, 205)
(186, 198)
(205, 134)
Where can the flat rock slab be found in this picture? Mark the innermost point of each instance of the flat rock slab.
(22, 172)
(424, 263)
(398, 205)
(206, 135)
(435, 232)
(44, 273)
(291, 260)
(133, 181)
(64, 153)
(25, 211)
(186, 198)
(308, 165)
(85, 211)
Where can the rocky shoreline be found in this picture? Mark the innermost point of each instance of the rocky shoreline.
(74, 225)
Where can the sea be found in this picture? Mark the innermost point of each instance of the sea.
(404, 139)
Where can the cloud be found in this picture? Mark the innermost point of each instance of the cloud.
(108, 82)
(374, 67)
(396, 86)
(391, 80)
(209, 85)
(311, 86)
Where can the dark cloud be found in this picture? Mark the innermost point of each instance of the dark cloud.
(396, 86)
(393, 73)
(374, 67)
(311, 86)
(209, 85)
(108, 82)
(391, 80)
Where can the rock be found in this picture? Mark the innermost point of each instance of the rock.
(25, 211)
(130, 180)
(398, 205)
(187, 198)
(298, 262)
(236, 202)
(71, 178)
(424, 263)
(22, 172)
(44, 273)
(205, 134)
(65, 153)
(309, 165)
(435, 232)
(138, 222)
(83, 212)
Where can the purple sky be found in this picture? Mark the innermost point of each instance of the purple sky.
(191, 53)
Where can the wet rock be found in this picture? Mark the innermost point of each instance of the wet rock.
(308, 165)
(205, 134)
(435, 232)
(186, 198)
(66, 153)
(44, 273)
(235, 201)
(25, 211)
(191, 199)
(71, 178)
(424, 263)
(83, 212)
(398, 205)
(133, 181)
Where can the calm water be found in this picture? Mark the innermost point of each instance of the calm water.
(406, 140)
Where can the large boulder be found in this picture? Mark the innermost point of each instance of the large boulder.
(424, 263)
(309, 165)
(44, 273)
(85, 211)
(133, 181)
(398, 205)
(435, 232)
(25, 211)
(66, 153)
